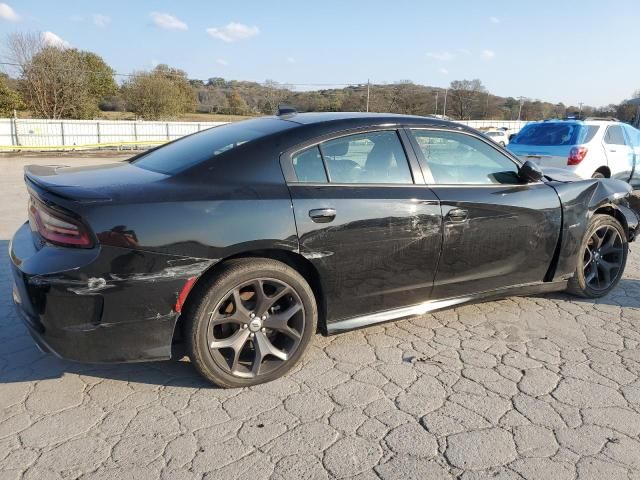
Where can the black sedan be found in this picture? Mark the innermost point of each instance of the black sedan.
(238, 243)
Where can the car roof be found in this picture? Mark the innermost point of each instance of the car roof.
(364, 119)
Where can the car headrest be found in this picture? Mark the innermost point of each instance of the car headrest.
(336, 149)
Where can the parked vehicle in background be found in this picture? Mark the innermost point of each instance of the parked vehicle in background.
(499, 136)
(593, 148)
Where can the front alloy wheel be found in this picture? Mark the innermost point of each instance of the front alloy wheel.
(602, 260)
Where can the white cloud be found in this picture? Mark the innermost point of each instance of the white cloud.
(168, 22)
(494, 20)
(222, 61)
(100, 20)
(50, 39)
(443, 71)
(441, 56)
(291, 60)
(8, 13)
(488, 54)
(233, 32)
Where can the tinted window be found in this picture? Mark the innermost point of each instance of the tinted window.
(455, 158)
(375, 157)
(634, 135)
(554, 134)
(308, 166)
(200, 147)
(614, 135)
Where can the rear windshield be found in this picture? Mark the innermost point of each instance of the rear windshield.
(555, 134)
(495, 134)
(200, 147)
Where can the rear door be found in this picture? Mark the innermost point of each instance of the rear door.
(498, 232)
(366, 221)
(620, 155)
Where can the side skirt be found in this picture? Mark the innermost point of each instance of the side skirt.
(433, 305)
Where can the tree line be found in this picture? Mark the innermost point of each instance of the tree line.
(54, 82)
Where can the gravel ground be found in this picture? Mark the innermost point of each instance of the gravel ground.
(539, 388)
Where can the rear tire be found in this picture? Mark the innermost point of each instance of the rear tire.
(602, 258)
(237, 336)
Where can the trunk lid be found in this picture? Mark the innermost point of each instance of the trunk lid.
(555, 156)
(94, 183)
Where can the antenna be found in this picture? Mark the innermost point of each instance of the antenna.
(284, 109)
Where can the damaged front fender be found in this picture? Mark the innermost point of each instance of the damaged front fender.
(580, 201)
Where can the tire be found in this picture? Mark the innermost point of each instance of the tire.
(501, 144)
(604, 248)
(598, 175)
(232, 347)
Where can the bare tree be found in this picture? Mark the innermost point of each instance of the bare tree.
(465, 96)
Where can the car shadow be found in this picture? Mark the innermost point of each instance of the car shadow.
(22, 361)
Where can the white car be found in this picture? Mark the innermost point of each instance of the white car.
(499, 136)
(593, 148)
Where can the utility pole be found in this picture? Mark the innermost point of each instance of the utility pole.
(368, 92)
(580, 111)
(436, 112)
(486, 108)
(444, 110)
(520, 110)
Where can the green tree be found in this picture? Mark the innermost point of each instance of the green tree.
(58, 82)
(10, 99)
(163, 93)
(237, 104)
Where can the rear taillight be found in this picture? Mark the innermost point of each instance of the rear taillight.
(576, 155)
(56, 227)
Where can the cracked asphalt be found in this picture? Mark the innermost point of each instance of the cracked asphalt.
(542, 387)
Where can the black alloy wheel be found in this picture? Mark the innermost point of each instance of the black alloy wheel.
(602, 258)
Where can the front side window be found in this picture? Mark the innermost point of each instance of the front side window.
(456, 158)
(374, 157)
(614, 135)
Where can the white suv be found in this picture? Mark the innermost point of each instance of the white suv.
(593, 148)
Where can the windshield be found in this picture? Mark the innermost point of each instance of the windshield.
(495, 134)
(200, 147)
(554, 134)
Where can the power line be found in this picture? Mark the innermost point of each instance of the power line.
(176, 74)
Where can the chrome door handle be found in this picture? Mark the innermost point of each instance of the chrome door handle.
(457, 214)
(322, 215)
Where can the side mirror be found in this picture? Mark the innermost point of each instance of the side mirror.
(530, 172)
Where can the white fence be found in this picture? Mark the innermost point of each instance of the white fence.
(23, 134)
(31, 134)
(513, 126)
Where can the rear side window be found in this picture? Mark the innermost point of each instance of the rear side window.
(203, 146)
(555, 134)
(308, 166)
(373, 157)
(614, 135)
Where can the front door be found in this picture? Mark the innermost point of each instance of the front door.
(498, 232)
(372, 233)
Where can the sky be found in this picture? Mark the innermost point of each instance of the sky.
(557, 51)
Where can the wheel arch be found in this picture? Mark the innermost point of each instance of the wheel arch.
(605, 170)
(293, 259)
